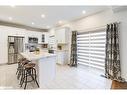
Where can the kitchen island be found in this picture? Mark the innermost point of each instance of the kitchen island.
(46, 65)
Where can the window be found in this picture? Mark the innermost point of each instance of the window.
(91, 48)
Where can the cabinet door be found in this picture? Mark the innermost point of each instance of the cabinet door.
(26, 37)
(46, 37)
(62, 36)
(39, 36)
(58, 36)
(60, 57)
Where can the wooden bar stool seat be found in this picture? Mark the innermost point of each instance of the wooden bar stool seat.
(30, 65)
(24, 62)
(21, 59)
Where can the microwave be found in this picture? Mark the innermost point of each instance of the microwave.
(32, 40)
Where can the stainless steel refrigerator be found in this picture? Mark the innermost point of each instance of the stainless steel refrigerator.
(15, 46)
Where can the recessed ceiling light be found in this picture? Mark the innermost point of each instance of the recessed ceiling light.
(60, 22)
(83, 12)
(47, 26)
(32, 23)
(43, 15)
(10, 18)
(12, 6)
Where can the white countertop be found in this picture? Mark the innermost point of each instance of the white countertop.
(34, 56)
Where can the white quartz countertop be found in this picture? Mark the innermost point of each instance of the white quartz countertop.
(34, 56)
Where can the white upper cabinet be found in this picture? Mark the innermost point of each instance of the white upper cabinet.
(46, 40)
(62, 35)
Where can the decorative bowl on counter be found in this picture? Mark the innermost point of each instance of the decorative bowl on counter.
(37, 51)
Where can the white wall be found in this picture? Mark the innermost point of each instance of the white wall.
(11, 31)
(101, 19)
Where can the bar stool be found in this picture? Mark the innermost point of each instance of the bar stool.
(18, 72)
(28, 70)
(24, 62)
(19, 66)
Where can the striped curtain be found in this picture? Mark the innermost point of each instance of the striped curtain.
(112, 61)
(73, 57)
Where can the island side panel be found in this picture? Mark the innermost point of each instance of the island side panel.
(47, 69)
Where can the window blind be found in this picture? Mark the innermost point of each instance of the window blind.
(91, 48)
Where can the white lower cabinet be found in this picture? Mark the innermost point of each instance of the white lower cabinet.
(61, 57)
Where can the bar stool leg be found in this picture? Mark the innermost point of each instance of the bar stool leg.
(22, 76)
(33, 74)
(35, 77)
(25, 80)
(19, 74)
(17, 70)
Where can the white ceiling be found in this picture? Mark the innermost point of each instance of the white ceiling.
(27, 14)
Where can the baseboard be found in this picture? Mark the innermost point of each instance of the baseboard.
(3, 64)
(61, 64)
(103, 76)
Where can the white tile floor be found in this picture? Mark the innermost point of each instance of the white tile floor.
(66, 78)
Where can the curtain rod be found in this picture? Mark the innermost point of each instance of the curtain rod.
(96, 28)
